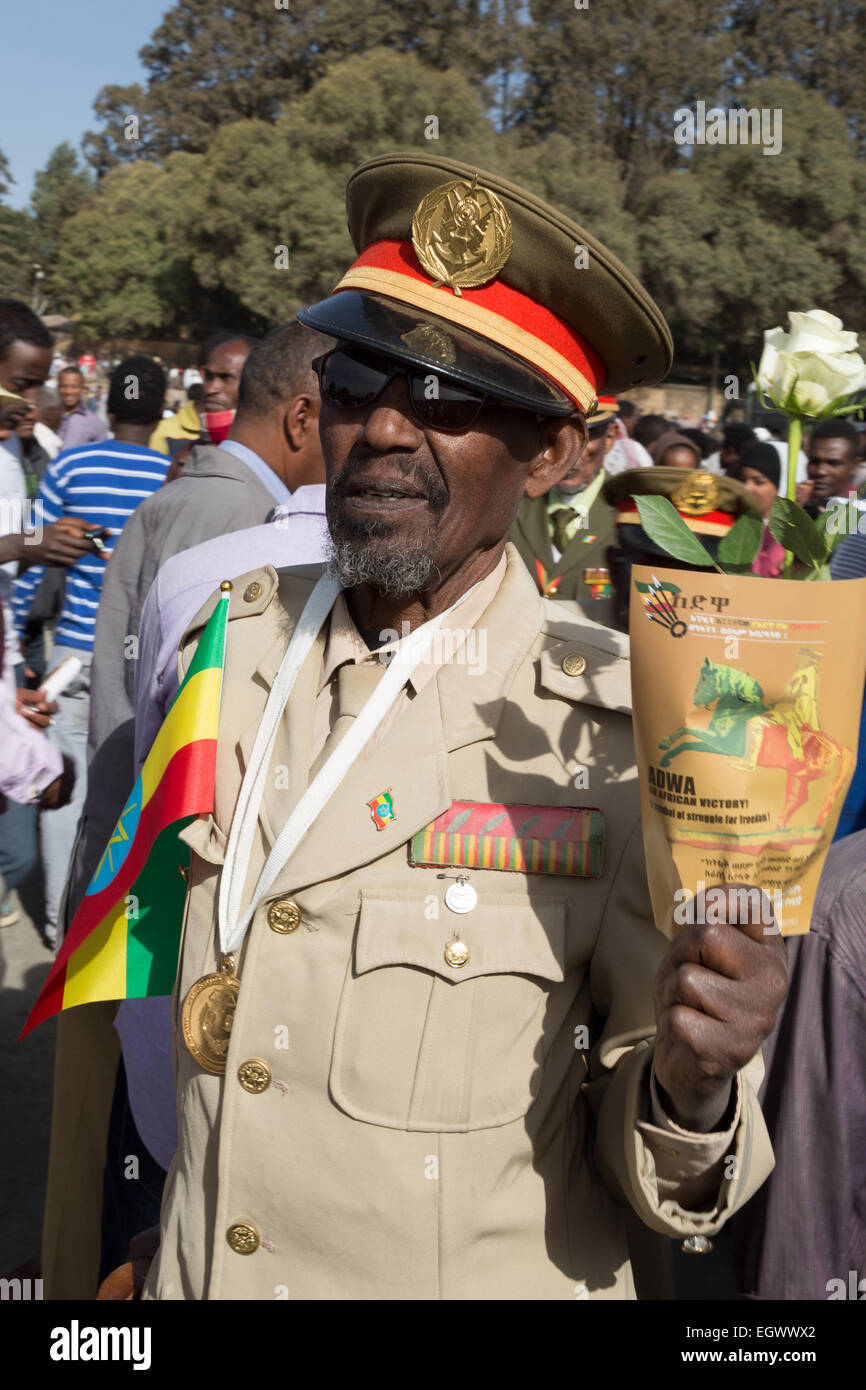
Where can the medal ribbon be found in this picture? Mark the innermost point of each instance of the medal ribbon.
(408, 655)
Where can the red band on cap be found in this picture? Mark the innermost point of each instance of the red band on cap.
(706, 523)
(528, 319)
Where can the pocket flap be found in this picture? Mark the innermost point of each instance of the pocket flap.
(506, 935)
(205, 837)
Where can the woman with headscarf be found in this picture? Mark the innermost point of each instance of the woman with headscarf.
(673, 450)
(760, 472)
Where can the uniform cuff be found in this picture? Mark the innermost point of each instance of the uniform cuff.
(689, 1167)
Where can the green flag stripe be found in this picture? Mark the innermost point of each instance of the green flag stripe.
(156, 906)
(211, 648)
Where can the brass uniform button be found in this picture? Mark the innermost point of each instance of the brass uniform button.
(242, 1238)
(456, 953)
(284, 916)
(226, 586)
(252, 592)
(574, 664)
(255, 1075)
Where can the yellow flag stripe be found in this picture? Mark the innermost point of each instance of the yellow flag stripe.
(193, 716)
(97, 970)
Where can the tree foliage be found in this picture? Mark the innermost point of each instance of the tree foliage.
(220, 181)
(60, 190)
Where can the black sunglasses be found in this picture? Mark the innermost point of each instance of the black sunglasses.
(355, 379)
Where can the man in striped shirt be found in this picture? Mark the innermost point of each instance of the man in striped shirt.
(101, 483)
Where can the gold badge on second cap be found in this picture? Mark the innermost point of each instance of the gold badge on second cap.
(697, 494)
(462, 234)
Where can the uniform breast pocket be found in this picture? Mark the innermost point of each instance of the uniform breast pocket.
(421, 1044)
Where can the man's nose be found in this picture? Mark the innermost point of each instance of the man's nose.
(391, 422)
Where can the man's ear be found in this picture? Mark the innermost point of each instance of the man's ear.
(300, 417)
(562, 443)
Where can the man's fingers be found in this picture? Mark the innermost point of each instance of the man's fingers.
(700, 1047)
(717, 947)
(698, 988)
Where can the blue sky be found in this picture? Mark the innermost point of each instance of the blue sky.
(55, 57)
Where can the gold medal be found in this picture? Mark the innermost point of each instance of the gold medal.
(207, 1017)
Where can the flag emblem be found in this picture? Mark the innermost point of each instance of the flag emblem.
(382, 809)
(123, 941)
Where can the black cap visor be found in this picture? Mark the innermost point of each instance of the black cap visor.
(399, 331)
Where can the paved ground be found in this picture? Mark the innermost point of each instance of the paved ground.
(25, 1078)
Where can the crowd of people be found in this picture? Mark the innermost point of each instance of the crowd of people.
(121, 516)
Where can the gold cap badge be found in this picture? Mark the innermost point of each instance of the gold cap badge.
(462, 234)
(697, 494)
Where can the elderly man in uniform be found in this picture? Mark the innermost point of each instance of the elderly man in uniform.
(429, 1039)
(564, 535)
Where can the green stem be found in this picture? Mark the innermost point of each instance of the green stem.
(795, 436)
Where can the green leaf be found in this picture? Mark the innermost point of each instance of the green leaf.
(838, 523)
(743, 541)
(796, 531)
(819, 572)
(664, 525)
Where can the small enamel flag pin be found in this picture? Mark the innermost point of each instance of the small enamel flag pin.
(382, 809)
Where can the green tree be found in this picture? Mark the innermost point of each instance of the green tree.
(611, 76)
(16, 254)
(6, 179)
(820, 46)
(60, 190)
(734, 242)
(111, 264)
(265, 187)
(16, 236)
(210, 64)
(128, 132)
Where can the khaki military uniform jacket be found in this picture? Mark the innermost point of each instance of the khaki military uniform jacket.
(432, 1131)
(587, 549)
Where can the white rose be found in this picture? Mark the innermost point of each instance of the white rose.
(804, 370)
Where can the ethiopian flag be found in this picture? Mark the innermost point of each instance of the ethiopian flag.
(124, 939)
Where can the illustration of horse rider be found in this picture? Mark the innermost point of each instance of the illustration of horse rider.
(798, 711)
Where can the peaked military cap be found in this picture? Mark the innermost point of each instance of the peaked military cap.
(470, 275)
(708, 503)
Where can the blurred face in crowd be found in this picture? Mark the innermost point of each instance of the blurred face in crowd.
(23, 370)
(730, 456)
(71, 387)
(221, 375)
(50, 415)
(590, 462)
(410, 506)
(25, 429)
(678, 456)
(763, 491)
(832, 465)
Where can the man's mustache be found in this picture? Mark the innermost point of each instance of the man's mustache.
(426, 479)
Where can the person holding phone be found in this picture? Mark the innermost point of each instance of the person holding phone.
(100, 484)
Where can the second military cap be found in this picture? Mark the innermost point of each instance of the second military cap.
(463, 271)
(708, 503)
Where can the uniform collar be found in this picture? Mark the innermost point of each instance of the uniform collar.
(345, 643)
(579, 502)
